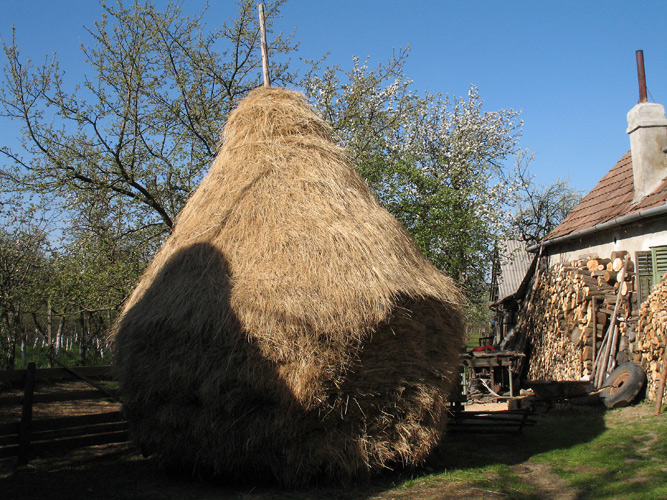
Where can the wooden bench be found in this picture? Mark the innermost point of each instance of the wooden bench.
(491, 421)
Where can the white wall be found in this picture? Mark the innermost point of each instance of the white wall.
(641, 235)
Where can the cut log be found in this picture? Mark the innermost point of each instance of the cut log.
(593, 264)
(610, 276)
(593, 292)
(617, 264)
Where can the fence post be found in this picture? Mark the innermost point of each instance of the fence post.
(26, 416)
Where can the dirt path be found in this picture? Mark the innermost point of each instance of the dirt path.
(546, 484)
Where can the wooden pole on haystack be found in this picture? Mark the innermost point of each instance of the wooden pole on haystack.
(265, 54)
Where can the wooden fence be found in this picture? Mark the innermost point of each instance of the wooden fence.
(25, 437)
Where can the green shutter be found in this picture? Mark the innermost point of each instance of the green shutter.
(659, 261)
(644, 274)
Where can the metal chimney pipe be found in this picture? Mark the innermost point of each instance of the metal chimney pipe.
(641, 76)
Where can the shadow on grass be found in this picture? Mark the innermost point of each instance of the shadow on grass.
(629, 461)
(555, 429)
(490, 460)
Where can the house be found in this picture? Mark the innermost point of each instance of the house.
(581, 315)
(627, 209)
(511, 273)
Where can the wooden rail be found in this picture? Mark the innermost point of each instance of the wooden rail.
(491, 422)
(28, 437)
(42, 374)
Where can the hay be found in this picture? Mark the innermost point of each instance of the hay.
(289, 325)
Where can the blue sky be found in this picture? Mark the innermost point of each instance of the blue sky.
(569, 66)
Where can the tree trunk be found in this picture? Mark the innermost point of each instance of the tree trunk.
(49, 334)
(59, 335)
(82, 340)
(10, 334)
(12, 340)
(24, 342)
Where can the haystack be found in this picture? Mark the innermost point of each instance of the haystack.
(289, 325)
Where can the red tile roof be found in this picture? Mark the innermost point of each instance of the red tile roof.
(611, 198)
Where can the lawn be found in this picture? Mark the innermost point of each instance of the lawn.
(582, 453)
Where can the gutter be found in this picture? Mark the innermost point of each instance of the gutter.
(643, 214)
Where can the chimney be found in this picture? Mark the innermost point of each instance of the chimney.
(647, 126)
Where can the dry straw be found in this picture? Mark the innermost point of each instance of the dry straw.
(289, 325)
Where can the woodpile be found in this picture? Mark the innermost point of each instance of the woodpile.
(580, 317)
(653, 336)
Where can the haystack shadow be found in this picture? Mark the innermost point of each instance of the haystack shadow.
(194, 385)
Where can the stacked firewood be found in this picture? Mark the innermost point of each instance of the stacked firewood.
(652, 339)
(568, 316)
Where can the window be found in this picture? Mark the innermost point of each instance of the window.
(651, 267)
(659, 258)
(644, 274)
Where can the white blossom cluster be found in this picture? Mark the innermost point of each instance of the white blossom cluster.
(436, 162)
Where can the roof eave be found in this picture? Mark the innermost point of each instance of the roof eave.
(618, 221)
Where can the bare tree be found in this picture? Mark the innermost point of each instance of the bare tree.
(145, 124)
(539, 208)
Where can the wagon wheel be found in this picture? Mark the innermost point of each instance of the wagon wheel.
(623, 385)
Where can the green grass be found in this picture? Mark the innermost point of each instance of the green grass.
(587, 453)
(628, 460)
(619, 454)
(582, 453)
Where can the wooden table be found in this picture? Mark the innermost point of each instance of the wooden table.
(477, 360)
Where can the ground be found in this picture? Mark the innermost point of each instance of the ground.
(117, 472)
(465, 466)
